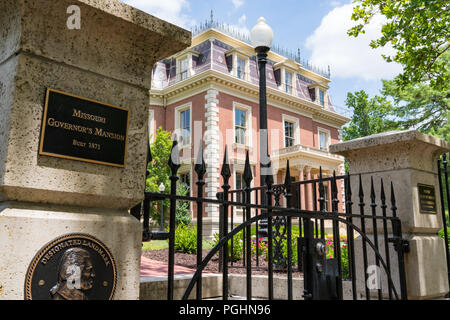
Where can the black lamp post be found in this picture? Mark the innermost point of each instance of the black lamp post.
(261, 38)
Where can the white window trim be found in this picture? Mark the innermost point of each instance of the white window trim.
(296, 123)
(177, 118)
(246, 66)
(319, 129)
(151, 125)
(248, 133)
(292, 82)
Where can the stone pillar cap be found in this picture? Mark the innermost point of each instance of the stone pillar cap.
(389, 137)
(142, 19)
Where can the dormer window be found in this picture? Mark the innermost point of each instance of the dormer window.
(287, 71)
(288, 82)
(322, 97)
(318, 93)
(184, 69)
(240, 68)
(238, 62)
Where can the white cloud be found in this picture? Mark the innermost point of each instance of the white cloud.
(242, 20)
(335, 3)
(350, 57)
(238, 3)
(169, 10)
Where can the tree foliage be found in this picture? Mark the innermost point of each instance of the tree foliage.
(158, 167)
(418, 30)
(370, 115)
(159, 172)
(420, 105)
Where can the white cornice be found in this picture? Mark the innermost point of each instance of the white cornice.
(212, 78)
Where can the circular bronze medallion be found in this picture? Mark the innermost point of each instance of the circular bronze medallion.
(72, 267)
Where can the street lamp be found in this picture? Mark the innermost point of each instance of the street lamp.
(261, 37)
(162, 188)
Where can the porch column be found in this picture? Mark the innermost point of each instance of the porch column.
(408, 159)
(212, 151)
(309, 190)
(301, 177)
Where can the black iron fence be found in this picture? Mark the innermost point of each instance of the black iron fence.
(373, 235)
(444, 192)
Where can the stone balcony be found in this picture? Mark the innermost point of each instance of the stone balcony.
(305, 155)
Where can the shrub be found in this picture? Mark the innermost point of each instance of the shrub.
(344, 262)
(182, 211)
(441, 234)
(238, 246)
(186, 239)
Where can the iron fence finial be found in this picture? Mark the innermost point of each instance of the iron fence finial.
(372, 190)
(361, 191)
(226, 172)
(174, 159)
(200, 166)
(382, 194)
(248, 176)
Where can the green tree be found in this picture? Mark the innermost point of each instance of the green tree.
(421, 105)
(370, 115)
(418, 30)
(159, 172)
(158, 167)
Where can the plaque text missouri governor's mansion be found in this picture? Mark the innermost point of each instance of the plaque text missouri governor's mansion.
(210, 93)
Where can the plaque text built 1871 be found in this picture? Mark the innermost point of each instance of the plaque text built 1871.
(83, 129)
(427, 198)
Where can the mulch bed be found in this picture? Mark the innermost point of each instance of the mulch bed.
(190, 261)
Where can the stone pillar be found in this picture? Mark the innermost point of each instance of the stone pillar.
(408, 159)
(212, 141)
(45, 199)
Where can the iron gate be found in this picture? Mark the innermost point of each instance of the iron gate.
(444, 192)
(374, 239)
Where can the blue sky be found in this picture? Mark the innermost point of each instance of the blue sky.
(318, 28)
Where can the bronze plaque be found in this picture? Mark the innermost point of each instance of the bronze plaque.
(72, 267)
(427, 198)
(83, 129)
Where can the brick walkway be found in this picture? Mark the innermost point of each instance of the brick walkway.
(152, 268)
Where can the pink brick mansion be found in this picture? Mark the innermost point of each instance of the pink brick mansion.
(209, 92)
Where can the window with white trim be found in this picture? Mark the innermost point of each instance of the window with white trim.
(291, 130)
(240, 68)
(324, 138)
(240, 125)
(289, 133)
(288, 82)
(184, 67)
(185, 126)
(322, 97)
